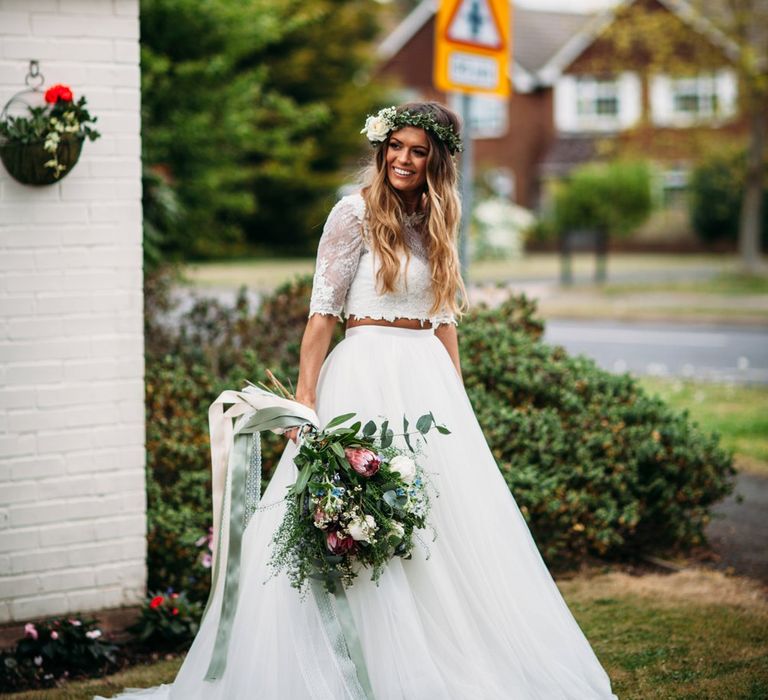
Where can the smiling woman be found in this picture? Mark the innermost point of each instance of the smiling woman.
(474, 612)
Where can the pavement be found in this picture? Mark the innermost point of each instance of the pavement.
(738, 532)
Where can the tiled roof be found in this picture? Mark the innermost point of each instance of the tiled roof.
(539, 35)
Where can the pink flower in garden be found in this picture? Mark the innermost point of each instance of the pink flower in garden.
(363, 461)
(207, 561)
(93, 634)
(156, 602)
(175, 611)
(75, 623)
(54, 635)
(174, 596)
(30, 630)
(338, 544)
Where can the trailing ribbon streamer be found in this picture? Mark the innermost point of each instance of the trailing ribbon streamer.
(236, 482)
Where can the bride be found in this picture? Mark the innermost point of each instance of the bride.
(478, 617)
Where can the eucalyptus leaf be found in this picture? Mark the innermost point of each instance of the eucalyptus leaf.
(338, 420)
(424, 423)
(443, 430)
(369, 428)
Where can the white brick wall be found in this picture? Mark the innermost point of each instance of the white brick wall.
(72, 500)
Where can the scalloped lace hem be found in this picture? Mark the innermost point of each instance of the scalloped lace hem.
(434, 320)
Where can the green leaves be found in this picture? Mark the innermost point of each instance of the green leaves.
(338, 420)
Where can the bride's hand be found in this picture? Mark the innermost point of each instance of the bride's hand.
(293, 433)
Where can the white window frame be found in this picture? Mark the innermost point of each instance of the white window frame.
(576, 99)
(715, 91)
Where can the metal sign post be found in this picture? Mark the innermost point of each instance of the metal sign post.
(472, 50)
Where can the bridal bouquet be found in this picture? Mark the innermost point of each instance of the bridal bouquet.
(357, 502)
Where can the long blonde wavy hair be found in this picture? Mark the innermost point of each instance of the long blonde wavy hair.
(385, 213)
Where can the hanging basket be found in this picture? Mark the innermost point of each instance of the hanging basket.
(26, 161)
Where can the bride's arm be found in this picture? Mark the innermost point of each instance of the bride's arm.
(314, 347)
(446, 333)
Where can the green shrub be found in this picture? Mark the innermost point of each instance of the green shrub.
(612, 197)
(595, 464)
(716, 188)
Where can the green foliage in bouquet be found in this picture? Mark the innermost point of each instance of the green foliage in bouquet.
(357, 501)
(56, 648)
(168, 621)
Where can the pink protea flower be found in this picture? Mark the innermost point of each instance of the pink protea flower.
(363, 461)
(30, 631)
(337, 544)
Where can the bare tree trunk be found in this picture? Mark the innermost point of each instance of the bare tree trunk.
(752, 201)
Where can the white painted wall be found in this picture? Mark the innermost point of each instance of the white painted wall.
(72, 498)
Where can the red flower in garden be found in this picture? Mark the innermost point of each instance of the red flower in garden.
(156, 602)
(175, 611)
(58, 92)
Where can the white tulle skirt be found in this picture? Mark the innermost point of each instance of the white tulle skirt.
(479, 619)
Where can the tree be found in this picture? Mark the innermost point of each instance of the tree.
(745, 22)
(703, 35)
(247, 110)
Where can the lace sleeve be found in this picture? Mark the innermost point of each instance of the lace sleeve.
(444, 317)
(338, 255)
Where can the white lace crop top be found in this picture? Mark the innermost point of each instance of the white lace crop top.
(345, 276)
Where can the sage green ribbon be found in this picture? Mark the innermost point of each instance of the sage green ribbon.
(342, 634)
(236, 463)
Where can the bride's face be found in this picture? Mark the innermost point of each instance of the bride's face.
(407, 159)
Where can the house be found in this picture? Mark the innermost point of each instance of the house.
(573, 98)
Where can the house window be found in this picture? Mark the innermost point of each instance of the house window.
(596, 97)
(487, 115)
(686, 101)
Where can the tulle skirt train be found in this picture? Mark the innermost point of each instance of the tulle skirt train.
(476, 617)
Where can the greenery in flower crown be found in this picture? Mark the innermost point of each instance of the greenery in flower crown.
(379, 126)
(356, 502)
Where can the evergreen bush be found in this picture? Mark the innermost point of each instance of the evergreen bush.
(716, 188)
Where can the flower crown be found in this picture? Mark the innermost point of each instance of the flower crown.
(378, 127)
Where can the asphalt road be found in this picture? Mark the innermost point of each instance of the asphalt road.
(714, 353)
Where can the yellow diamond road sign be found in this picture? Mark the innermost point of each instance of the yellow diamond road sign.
(472, 46)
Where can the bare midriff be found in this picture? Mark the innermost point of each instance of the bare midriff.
(398, 322)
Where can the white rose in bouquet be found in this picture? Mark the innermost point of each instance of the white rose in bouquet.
(362, 529)
(404, 466)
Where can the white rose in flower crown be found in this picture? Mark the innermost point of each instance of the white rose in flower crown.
(376, 128)
(404, 466)
(362, 529)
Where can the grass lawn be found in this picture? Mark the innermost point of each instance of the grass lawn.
(693, 635)
(738, 413)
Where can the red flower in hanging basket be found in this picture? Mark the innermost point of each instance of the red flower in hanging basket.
(156, 602)
(58, 92)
